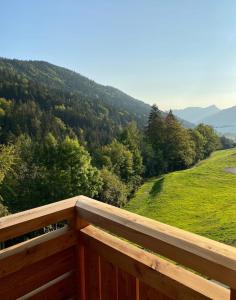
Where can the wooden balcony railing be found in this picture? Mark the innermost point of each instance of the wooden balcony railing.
(107, 253)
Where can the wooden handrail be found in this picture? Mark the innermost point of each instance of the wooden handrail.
(211, 258)
(27, 221)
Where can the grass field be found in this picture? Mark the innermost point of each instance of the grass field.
(201, 200)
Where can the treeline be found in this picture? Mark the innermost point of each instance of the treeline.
(35, 172)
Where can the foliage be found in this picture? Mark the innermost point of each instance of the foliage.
(155, 135)
(7, 160)
(179, 147)
(117, 158)
(50, 171)
(131, 137)
(113, 191)
(211, 142)
(226, 143)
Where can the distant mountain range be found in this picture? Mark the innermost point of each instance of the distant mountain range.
(196, 114)
(223, 120)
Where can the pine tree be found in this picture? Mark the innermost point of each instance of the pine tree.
(155, 133)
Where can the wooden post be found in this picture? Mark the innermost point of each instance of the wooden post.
(232, 294)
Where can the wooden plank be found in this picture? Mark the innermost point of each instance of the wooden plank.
(30, 220)
(22, 255)
(209, 257)
(60, 288)
(34, 276)
(80, 272)
(108, 280)
(148, 293)
(92, 274)
(126, 286)
(80, 262)
(168, 278)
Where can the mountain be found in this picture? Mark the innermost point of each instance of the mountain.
(224, 121)
(39, 97)
(42, 98)
(196, 114)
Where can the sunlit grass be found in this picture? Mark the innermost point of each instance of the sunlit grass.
(201, 200)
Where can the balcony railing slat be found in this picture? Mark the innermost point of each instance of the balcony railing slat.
(126, 286)
(211, 258)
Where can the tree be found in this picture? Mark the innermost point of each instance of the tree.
(211, 138)
(118, 159)
(50, 171)
(226, 143)
(155, 133)
(199, 142)
(7, 160)
(114, 191)
(131, 138)
(179, 148)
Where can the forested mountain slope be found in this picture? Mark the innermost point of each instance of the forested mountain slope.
(44, 97)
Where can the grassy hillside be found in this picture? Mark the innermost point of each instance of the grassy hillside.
(201, 200)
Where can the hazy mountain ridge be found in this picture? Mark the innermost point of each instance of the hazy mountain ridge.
(223, 120)
(196, 114)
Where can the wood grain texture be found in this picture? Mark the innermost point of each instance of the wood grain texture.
(60, 289)
(34, 276)
(27, 253)
(148, 293)
(169, 279)
(126, 286)
(92, 274)
(208, 257)
(108, 280)
(30, 220)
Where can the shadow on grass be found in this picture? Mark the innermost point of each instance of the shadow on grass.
(157, 187)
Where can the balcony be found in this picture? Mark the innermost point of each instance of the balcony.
(103, 252)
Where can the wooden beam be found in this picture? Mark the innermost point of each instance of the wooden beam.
(25, 254)
(36, 218)
(169, 279)
(206, 256)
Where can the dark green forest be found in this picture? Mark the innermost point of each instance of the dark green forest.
(62, 135)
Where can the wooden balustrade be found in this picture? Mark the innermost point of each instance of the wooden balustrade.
(118, 259)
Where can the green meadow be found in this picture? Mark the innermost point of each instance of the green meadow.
(201, 199)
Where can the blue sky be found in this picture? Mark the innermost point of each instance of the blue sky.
(175, 53)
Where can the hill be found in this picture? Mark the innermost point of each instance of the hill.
(63, 100)
(196, 114)
(224, 121)
(201, 200)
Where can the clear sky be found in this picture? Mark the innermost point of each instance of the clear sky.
(175, 53)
